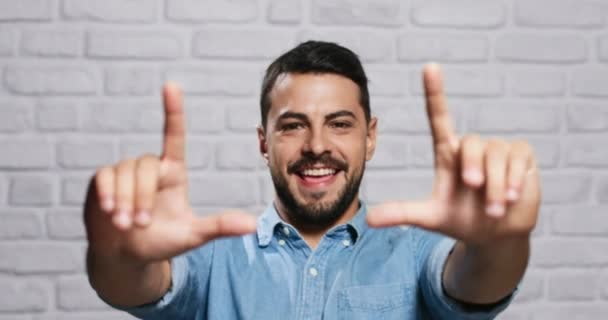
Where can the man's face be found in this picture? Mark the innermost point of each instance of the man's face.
(316, 142)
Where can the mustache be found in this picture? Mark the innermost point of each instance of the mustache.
(310, 160)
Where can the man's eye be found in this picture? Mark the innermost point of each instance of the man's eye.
(341, 124)
(291, 126)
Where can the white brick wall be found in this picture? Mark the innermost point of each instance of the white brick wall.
(79, 87)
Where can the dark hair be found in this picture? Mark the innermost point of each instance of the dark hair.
(316, 57)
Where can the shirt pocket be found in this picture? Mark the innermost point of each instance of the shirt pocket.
(386, 302)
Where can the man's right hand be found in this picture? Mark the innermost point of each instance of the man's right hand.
(138, 213)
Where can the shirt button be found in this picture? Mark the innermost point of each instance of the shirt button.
(281, 242)
(346, 243)
(286, 230)
(313, 272)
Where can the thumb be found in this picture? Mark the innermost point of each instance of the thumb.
(419, 213)
(226, 224)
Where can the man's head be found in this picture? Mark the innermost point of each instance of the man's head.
(317, 131)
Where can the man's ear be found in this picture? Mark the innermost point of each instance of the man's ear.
(262, 143)
(370, 140)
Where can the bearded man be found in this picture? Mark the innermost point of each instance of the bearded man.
(318, 252)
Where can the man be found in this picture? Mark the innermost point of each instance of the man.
(312, 254)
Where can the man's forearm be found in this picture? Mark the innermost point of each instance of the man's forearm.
(127, 284)
(485, 274)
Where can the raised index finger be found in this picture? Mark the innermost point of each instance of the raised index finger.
(436, 107)
(174, 131)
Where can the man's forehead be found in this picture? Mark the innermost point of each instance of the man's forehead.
(314, 95)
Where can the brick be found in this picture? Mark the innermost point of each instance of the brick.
(75, 293)
(602, 189)
(238, 153)
(384, 187)
(85, 153)
(534, 83)
(51, 43)
(603, 48)
(569, 253)
(546, 150)
(32, 190)
(510, 118)
(589, 82)
(587, 117)
(26, 10)
(65, 224)
(370, 46)
(465, 83)
(20, 224)
(198, 153)
(241, 43)
(40, 257)
(522, 47)
(420, 152)
(391, 153)
(422, 47)
(563, 13)
(573, 286)
(136, 147)
(565, 187)
(242, 116)
(581, 220)
(111, 10)
(74, 190)
(132, 81)
(115, 116)
(226, 190)
(366, 12)
(223, 81)
(58, 115)
(25, 153)
(15, 116)
(531, 288)
(205, 115)
(134, 44)
(401, 117)
(284, 11)
(24, 295)
(584, 152)
(7, 42)
(564, 311)
(387, 81)
(212, 11)
(50, 80)
(458, 14)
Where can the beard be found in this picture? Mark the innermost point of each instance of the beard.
(320, 214)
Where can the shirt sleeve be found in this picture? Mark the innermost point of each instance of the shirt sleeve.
(433, 255)
(187, 296)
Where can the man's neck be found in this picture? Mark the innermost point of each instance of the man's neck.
(312, 234)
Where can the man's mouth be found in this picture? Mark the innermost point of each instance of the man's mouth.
(317, 177)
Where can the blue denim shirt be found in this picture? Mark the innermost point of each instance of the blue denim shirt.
(356, 272)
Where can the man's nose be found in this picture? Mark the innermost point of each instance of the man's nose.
(316, 143)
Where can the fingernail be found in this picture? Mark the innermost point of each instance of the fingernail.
(107, 205)
(122, 219)
(143, 218)
(473, 176)
(512, 194)
(495, 210)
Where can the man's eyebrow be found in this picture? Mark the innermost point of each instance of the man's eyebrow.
(293, 115)
(341, 113)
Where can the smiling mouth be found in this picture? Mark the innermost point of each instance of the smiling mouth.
(317, 177)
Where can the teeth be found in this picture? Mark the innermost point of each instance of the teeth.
(318, 172)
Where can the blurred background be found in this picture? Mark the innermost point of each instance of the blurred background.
(80, 88)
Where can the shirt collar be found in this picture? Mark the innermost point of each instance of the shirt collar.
(270, 219)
